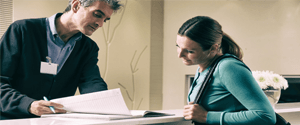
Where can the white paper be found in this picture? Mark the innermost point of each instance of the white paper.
(145, 113)
(103, 102)
(135, 114)
(90, 116)
(105, 105)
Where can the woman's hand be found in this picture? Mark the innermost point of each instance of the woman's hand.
(195, 112)
(42, 107)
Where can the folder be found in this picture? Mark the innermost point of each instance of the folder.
(106, 105)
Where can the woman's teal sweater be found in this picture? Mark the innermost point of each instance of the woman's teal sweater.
(233, 97)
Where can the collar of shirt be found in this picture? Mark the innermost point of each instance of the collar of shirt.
(53, 30)
(197, 83)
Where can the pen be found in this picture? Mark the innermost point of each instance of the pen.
(51, 107)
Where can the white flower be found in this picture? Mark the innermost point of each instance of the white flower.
(260, 79)
(269, 80)
(279, 82)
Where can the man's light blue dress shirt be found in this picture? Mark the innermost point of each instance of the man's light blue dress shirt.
(58, 50)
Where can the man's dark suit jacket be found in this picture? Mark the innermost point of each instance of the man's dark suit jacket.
(22, 48)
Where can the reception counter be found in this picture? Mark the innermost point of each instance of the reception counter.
(165, 120)
(290, 111)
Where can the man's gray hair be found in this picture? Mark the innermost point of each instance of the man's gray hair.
(114, 4)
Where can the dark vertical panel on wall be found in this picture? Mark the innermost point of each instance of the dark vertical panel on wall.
(5, 15)
(156, 54)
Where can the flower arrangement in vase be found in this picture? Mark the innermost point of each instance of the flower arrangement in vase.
(268, 80)
(271, 83)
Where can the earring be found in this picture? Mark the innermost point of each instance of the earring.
(209, 54)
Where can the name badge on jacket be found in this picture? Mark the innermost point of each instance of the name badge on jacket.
(48, 67)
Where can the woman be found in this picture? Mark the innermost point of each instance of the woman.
(232, 97)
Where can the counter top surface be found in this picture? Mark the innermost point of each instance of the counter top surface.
(178, 117)
(285, 109)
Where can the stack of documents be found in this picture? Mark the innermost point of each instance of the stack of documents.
(107, 105)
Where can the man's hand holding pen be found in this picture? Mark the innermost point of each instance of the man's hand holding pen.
(42, 107)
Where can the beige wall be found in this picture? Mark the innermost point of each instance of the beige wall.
(37, 8)
(121, 66)
(267, 31)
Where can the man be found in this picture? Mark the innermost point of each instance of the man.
(51, 57)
